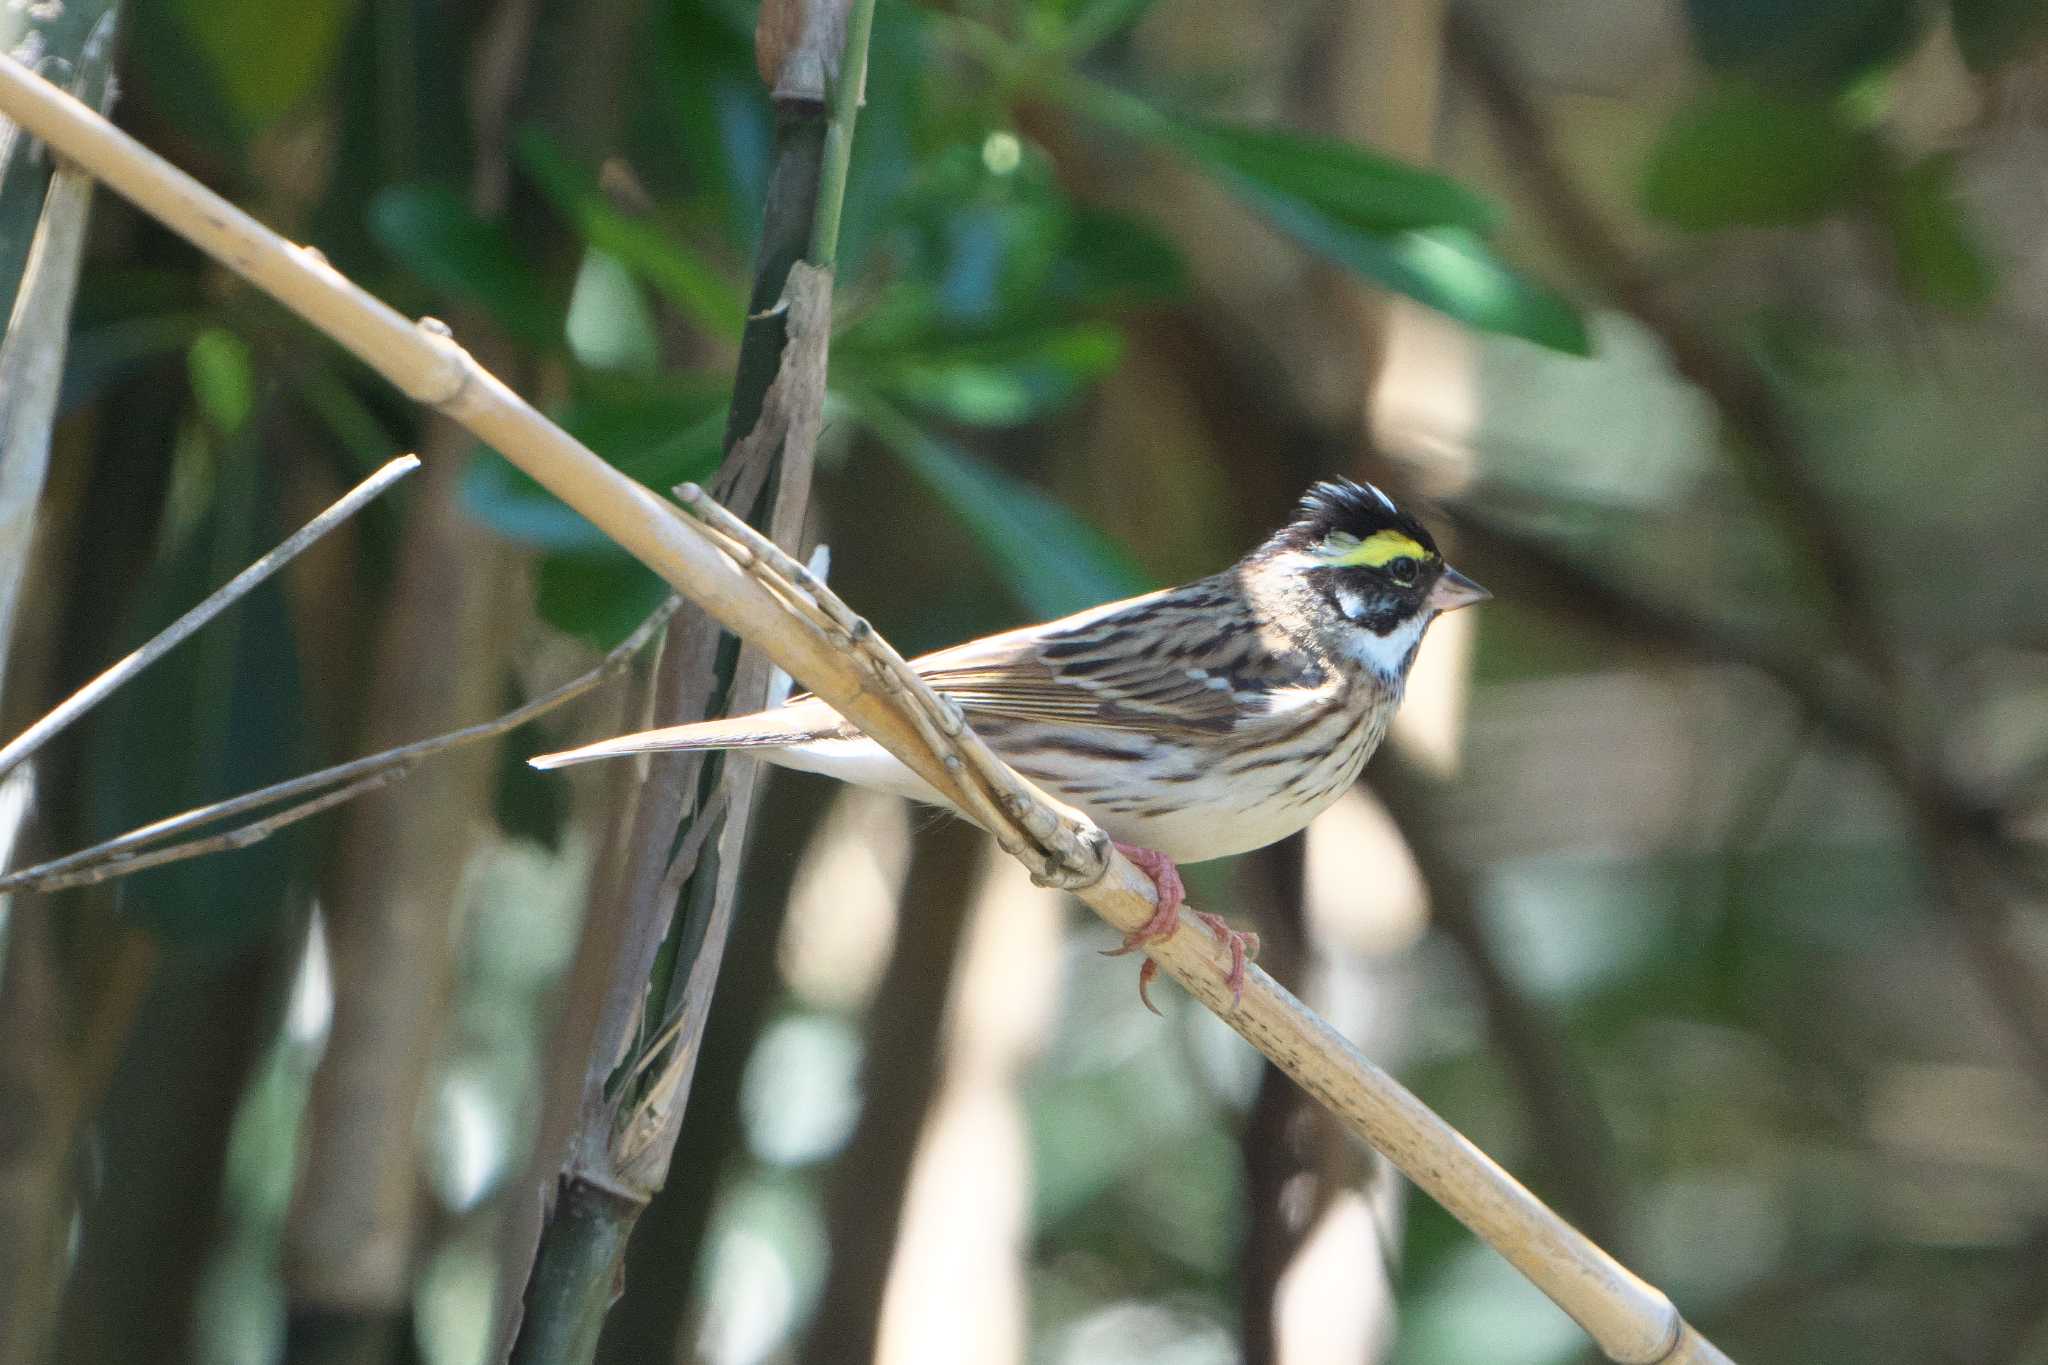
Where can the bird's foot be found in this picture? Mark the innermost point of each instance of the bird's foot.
(1166, 919)
(1172, 895)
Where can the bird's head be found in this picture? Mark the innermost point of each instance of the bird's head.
(1372, 573)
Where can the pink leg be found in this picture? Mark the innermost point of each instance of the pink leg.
(1172, 895)
(1166, 920)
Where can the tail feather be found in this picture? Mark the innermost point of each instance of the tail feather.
(763, 730)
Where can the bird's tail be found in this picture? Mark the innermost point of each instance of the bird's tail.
(766, 730)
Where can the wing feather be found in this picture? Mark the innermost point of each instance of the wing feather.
(1170, 661)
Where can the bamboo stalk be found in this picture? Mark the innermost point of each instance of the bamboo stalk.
(39, 323)
(673, 902)
(1633, 1323)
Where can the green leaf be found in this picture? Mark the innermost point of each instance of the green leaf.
(886, 151)
(1085, 24)
(1939, 258)
(723, 120)
(609, 326)
(599, 596)
(1820, 44)
(1462, 277)
(1990, 33)
(1008, 380)
(432, 231)
(1342, 184)
(1739, 156)
(1054, 561)
(1413, 232)
(659, 436)
(223, 380)
(265, 58)
(1410, 230)
(1118, 259)
(679, 274)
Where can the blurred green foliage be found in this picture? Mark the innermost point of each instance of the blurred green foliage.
(1787, 137)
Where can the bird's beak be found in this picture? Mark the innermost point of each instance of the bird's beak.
(1454, 590)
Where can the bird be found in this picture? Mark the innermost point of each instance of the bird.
(1190, 723)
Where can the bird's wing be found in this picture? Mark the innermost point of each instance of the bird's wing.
(1186, 660)
(1189, 660)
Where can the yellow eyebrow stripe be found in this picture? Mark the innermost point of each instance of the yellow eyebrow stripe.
(1375, 551)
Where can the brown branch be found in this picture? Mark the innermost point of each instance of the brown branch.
(631, 961)
(106, 869)
(669, 1243)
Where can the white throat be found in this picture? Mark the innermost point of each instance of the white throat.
(1388, 655)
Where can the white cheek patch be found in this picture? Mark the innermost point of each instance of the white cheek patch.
(1351, 604)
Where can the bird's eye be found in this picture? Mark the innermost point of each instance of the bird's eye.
(1402, 570)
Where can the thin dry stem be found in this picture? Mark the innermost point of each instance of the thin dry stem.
(241, 836)
(1633, 1322)
(118, 857)
(182, 629)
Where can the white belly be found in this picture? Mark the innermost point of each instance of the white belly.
(1211, 816)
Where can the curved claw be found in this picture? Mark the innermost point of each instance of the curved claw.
(1243, 948)
(1172, 893)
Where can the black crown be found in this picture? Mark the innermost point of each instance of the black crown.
(1340, 506)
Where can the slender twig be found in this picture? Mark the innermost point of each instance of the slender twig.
(1632, 1321)
(241, 836)
(182, 629)
(117, 857)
